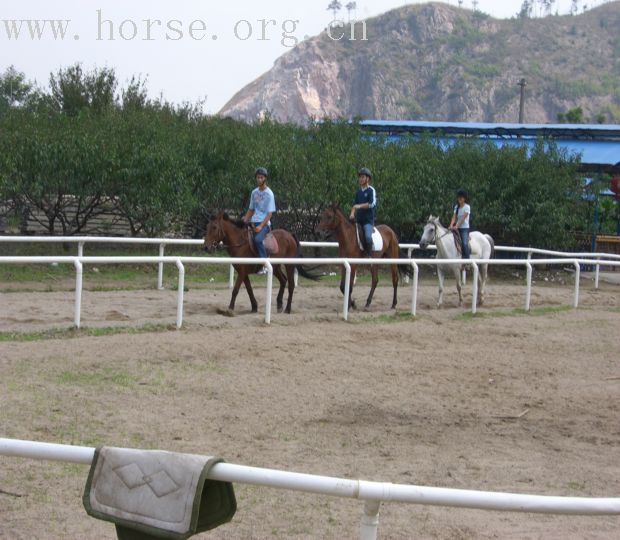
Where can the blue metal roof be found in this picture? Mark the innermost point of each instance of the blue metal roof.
(606, 131)
(598, 145)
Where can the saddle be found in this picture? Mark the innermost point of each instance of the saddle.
(458, 243)
(377, 239)
(270, 243)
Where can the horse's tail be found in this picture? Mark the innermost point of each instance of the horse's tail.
(304, 271)
(404, 270)
(492, 242)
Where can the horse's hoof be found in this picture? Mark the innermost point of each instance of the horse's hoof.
(280, 309)
(367, 309)
(254, 310)
(226, 312)
(287, 312)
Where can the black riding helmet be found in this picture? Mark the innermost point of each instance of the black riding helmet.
(365, 171)
(261, 171)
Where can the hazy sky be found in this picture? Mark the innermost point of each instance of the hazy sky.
(183, 67)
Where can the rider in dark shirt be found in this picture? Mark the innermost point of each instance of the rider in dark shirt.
(364, 208)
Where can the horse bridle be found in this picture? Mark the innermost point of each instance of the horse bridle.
(448, 232)
(225, 246)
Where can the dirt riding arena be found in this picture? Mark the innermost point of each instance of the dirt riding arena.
(503, 401)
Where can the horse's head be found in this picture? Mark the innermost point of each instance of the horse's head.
(430, 232)
(330, 219)
(215, 232)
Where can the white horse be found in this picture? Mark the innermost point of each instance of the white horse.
(482, 247)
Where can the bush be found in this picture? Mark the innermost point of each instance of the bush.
(164, 170)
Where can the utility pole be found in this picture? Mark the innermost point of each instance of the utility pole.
(522, 84)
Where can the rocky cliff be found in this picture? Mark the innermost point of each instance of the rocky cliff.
(439, 62)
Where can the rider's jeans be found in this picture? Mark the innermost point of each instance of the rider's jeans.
(465, 242)
(368, 230)
(259, 239)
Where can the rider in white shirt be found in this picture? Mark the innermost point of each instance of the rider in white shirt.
(460, 221)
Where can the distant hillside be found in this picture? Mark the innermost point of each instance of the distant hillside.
(440, 62)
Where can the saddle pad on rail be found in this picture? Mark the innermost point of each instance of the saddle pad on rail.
(149, 494)
(377, 239)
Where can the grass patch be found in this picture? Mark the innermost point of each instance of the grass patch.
(390, 319)
(536, 312)
(105, 377)
(72, 333)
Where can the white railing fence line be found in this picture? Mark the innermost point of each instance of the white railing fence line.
(373, 493)
(180, 262)
(81, 241)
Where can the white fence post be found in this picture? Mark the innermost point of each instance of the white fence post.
(347, 289)
(474, 289)
(269, 292)
(77, 315)
(577, 283)
(409, 255)
(231, 277)
(160, 269)
(597, 274)
(528, 294)
(180, 294)
(370, 521)
(80, 249)
(416, 278)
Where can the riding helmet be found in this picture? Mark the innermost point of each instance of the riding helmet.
(261, 171)
(365, 171)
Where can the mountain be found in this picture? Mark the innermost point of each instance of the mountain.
(440, 62)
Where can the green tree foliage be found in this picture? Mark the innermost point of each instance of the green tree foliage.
(73, 89)
(15, 89)
(92, 149)
(572, 116)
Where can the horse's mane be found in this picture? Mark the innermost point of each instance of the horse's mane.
(239, 223)
(436, 221)
(337, 210)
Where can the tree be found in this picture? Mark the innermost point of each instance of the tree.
(574, 7)
(73, 89)
(351, 8)
(15, 90)
(572, 116)
(526, 10)
(135, 95)
(335, 6)
(546, 6)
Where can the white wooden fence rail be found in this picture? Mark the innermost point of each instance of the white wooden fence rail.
(373, 493)
(182, 262)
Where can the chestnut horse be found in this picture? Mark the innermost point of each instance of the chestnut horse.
(234, 235)
(333, 220)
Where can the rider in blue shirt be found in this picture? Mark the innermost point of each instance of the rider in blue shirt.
(260, 212)
(363, 212)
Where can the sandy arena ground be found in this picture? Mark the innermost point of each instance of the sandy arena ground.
(504, 401)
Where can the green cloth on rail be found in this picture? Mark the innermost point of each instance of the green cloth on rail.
(157, 495)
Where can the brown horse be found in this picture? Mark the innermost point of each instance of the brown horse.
(234, 236)
(333, 220)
